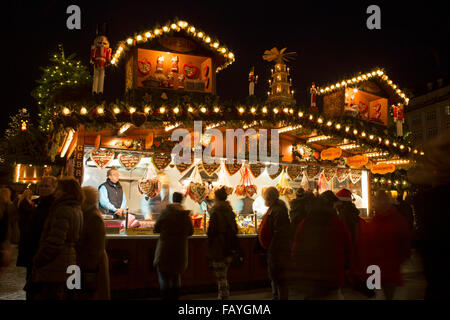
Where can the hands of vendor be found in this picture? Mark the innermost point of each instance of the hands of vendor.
(119, 212)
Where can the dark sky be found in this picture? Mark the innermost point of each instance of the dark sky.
(331, 40)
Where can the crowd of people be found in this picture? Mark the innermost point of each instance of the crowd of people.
(320, 245)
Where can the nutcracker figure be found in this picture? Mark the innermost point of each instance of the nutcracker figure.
(253, 79)
(174, 64)
(170, 80)
(399, 118)
(313, 92)
(100, 57)
(160, 64)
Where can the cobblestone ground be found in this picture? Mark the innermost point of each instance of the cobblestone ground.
(13, 281)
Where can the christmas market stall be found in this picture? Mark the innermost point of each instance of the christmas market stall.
(170, 108)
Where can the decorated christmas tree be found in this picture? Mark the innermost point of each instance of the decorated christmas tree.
(63, 81)
(280, 84)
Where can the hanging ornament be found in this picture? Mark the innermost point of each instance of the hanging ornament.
(144, 66)
(313, 92)
(149, 185)
(161, 160)
(174, 67)
(376, 113)
(294, 171)
(210, 168)
(181, 81)
(246, 185)
(102, 157)
(275, 173)
(234, 167)
(399, 118)
(312, 172)
(129, 161)
(170, 80)
(355, 176)
(305, 183)
(342, 174)
(284, 188)
(329, 174)
(196, 189)
(256, 169)
(363, 110)
(223, 180)
(322, 184)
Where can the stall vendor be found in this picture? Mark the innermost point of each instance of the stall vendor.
(245, 205)
(111, 197)
(152, 207)
(259, 205)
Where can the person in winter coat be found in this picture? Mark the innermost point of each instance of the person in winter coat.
(388, 242)
(322, 251)
(61, 232)
(32, 217)
(4, 229)
(172, 250)
(299, 208)
(349, 215)
(91, 254)
(222, 240)
(405, 209)
(274, 237)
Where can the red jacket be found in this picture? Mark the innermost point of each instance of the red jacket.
(386, 242)
(322, 250)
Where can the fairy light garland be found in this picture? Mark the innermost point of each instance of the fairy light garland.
(175, 26)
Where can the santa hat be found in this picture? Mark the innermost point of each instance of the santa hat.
(344, 195)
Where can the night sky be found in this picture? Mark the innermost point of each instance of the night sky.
(331, 39)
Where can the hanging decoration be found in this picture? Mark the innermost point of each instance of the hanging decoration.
(144, 66)
(196, 189)
(210, 168)
(246, 186)
(329, 174)
(376, 113)
(161, 160)
(363, 110)
(357, 162)
(331, 153)
(399, 118)
(355, 176)
(303, 152)
(305, 183)
(313, 92)
(294, 171)
(312, 172)
(275, 173)
(284, 188)
(223, 180)
(342, 174)
(322, 183)
(129, 161)
(102, 157)
(182, 167)
(149, 184)
(160, 64)
(382, 168)
(257, 169)
(234, 167)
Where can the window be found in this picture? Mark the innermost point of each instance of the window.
(431, 132)
(418, 135)
(431, 115)
(416, 120)
(447, 111)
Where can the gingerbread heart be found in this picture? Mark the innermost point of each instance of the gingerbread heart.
(102, 158)
(232, 168)
(161, 160)
(129, 161)
(312, 172)
(256, 169)
(342, 174)
(355, 176)
(294, 171)
(210, 168)
(329, 173)
(275, 173)
(190, 71)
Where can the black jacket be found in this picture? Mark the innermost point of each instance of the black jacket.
(349, 214)
(280, 246)
(222, 230)
(172, 250)
(31, 223)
